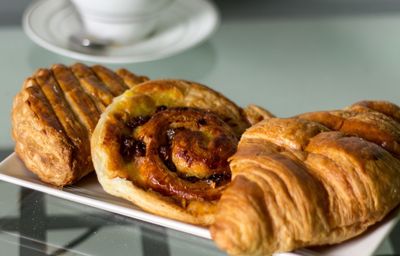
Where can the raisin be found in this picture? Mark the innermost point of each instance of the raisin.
(165, 154)
(218, 178)
(170, 134)
(191, 179)
(202, 121)
(140, 148)
(130, 147)
(161, 108)
(163, 150)
(137, 121)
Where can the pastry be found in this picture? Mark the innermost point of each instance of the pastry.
(55, 113)
(255, 114)
(314, 179)
(164, 145)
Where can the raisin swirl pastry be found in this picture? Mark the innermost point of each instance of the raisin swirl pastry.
(55, 113)
(318, 178)
(164, 145)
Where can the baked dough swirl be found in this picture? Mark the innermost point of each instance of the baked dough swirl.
(318, 178)
(164, 146)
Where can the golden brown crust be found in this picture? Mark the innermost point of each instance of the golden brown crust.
(309, 181)
(53, 117)
(371, 125)
(163, 145)
(255, 114)
(114, 83)
(92, 85)
(34, 122)
(131, 79)
(80, 102)
(385, 107)
(193, 95)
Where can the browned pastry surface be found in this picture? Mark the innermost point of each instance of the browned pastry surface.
(319, 178)
(55, 114)
(256, 114)
(164, 145)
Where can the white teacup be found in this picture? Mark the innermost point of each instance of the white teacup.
(121, 21)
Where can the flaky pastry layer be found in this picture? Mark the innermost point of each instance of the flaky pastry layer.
(172, 167)
(55, 113)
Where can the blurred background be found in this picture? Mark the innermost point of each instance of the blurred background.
(11, 11)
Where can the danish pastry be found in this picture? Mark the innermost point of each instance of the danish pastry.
(164, 145)
(55, 114)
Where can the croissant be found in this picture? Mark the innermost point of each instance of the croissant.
(164, 145)
(314, 179)
(56, 112)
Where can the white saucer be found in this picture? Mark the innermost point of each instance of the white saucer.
(50, 23)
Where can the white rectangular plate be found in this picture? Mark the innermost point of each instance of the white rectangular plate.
(89, 192)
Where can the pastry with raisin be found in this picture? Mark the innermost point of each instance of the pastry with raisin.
(164, 145)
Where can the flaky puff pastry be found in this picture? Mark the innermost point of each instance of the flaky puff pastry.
(318, 178)
(55, 113)
(164, 145)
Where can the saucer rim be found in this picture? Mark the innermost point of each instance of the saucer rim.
(212, 26)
